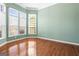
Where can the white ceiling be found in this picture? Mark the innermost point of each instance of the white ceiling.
(36, 6)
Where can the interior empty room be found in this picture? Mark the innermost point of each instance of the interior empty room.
(39, 29)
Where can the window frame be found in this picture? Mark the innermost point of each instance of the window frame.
(35, 24)
(25, 31)
(4, 15)
(9, 25)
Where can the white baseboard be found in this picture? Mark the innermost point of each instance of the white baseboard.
(59, 41)
(42, 38)
(11, 41)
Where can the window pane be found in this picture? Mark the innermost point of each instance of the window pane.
(22, 28)
(13, 22)
(13, 12)
(2, 21)
(32, 24)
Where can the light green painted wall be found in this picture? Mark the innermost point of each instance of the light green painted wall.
(60, 21)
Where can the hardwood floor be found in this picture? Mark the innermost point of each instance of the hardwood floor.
(38, 47)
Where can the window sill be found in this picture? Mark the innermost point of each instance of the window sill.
(1, 38)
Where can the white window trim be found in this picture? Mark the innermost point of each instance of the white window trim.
(4, 12)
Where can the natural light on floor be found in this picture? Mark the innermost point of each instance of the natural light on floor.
(32, 48)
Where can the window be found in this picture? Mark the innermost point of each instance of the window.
(32, 24)
(2, 21)
(22, 24)
(13, 22)
(17, 22)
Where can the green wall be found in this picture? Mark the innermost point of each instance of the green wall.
(60, 22)
(15, 6)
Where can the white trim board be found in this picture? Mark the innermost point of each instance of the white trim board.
(59, 41)
(15, 40)
(42, 38)
(11, 41)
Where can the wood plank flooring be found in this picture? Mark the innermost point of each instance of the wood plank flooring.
(38, 47)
